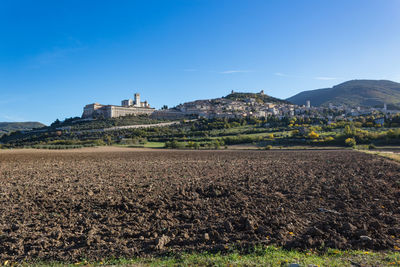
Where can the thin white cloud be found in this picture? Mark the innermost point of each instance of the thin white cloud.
(325, 78)
(322, 78)
(280, 74)
(234, 71)
(15, 97)
(11, 118)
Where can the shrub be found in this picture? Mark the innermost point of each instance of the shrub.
(108, 140)
(196, 145)
(295, 132)
(99, 142)
(350, 142)
(193, 145)
(393, 133)
(173, 144)
(313, 135)
(216, 144)
(329, 139)
(190, 144)
(371, 146)
(268, 147)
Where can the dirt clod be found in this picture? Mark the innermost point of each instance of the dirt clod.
(162, 242)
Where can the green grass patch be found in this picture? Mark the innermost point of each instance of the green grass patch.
(146, 145)
(154, 144)
(59, 147)
(261, 256)
(388, 155)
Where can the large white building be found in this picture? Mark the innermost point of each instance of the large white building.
(128, 107)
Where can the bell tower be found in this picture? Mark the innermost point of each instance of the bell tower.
(137, 100)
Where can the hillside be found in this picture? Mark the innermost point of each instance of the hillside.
(259, 97)
(78, 124)
(366, 93)
(7, 127)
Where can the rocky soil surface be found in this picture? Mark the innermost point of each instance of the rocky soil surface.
(93, 205)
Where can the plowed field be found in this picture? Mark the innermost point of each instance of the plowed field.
(97, 204)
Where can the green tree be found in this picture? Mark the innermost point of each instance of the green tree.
(108, 140)
(190, 144)
(348, 131)
(351, 142)
(173, 144)
(56, 122)
(313, 135)
(216, 144)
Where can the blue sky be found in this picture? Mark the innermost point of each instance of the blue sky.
(57, 56)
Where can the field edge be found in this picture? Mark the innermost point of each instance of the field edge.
(259, 256)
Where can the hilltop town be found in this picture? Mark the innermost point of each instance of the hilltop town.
(237, 105)
(275, 121)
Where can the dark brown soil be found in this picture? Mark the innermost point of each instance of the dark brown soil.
(65, 206)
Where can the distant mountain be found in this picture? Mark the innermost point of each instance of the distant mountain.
(7, 127)
(364, 93)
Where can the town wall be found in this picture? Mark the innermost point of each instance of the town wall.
(123, 111)
(167, 114)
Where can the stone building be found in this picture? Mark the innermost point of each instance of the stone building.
(128, 107)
